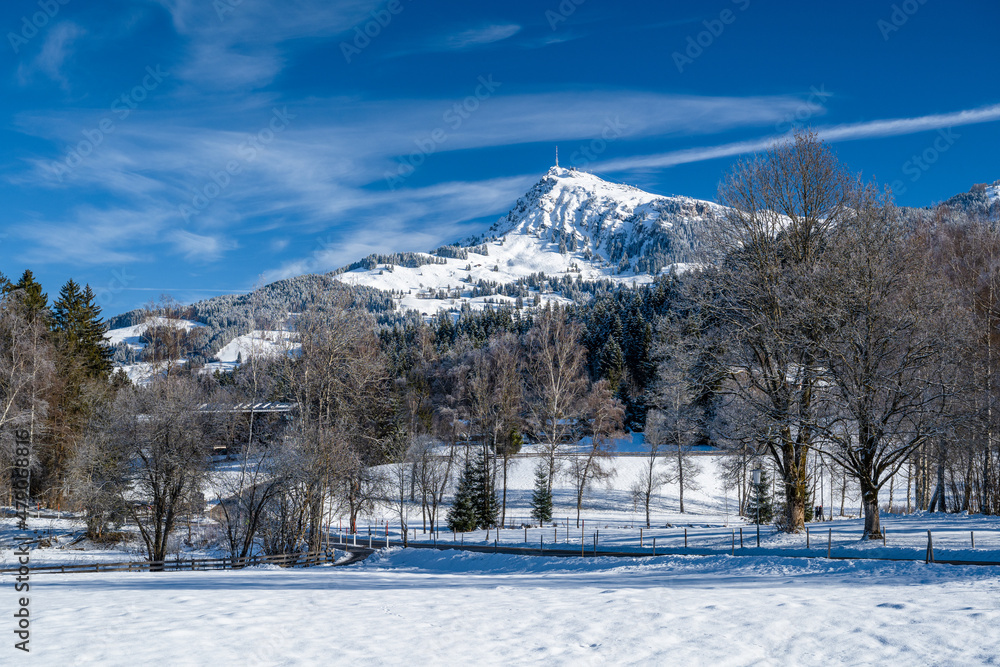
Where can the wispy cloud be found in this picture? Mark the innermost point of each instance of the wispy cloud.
(199, 247)
(241, 46)
(479, 36)
(56, 49)
(324, 175)
(844, 132)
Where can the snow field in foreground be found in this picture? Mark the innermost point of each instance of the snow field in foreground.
(418, 607)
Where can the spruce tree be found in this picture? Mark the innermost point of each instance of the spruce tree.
(35, 301)
(612, 364)
(462, 515)
(760, 498)
(484, 494)
(79, 332)
(541, 499)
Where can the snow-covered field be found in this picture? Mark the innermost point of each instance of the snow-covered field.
(420, 608)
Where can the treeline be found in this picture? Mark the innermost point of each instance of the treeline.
(54, 368)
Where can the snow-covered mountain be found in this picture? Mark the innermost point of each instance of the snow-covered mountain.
(982, 199)
(571, 224)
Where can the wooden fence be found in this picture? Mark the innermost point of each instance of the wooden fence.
(191, 564)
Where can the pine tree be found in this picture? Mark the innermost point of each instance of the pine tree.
(462, 515)
(760, 497)
(541, 499)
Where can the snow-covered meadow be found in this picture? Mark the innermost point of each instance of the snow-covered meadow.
(425, 607)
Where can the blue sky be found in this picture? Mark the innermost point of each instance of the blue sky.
(197, 147)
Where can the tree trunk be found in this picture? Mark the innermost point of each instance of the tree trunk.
(869, 505)
(680, 475)
(503, 505)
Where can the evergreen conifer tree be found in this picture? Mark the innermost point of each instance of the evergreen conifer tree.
(612, 364)
(35, 301)
(79, 331)
(541, 499)
(462, 515)
(760, 498)
(485, 494)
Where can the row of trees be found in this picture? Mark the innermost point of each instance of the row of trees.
(828, 324)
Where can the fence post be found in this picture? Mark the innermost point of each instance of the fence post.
(595, 544)
(829, 541)
(654, 546)
(526, 534)
(685, 538)
(496, 540)
(930, 548)
(734, 542)
(640, 538)
(582, 542)
(883, 537)
(541, 545)
(741, 537)
(972, 536)
(807, 537)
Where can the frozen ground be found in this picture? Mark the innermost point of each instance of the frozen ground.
(419, 607)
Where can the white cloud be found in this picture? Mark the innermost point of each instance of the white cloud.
(242, 46)
(844, 132)
(56, 49)
(200, 248)
(480, 36)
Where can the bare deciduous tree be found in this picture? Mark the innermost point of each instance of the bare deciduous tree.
(889, 353)
(603, 416)
(557, 386)
(782, 207)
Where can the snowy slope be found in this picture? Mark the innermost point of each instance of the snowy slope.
(131, 336)
(570, 224)
(610, 220)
